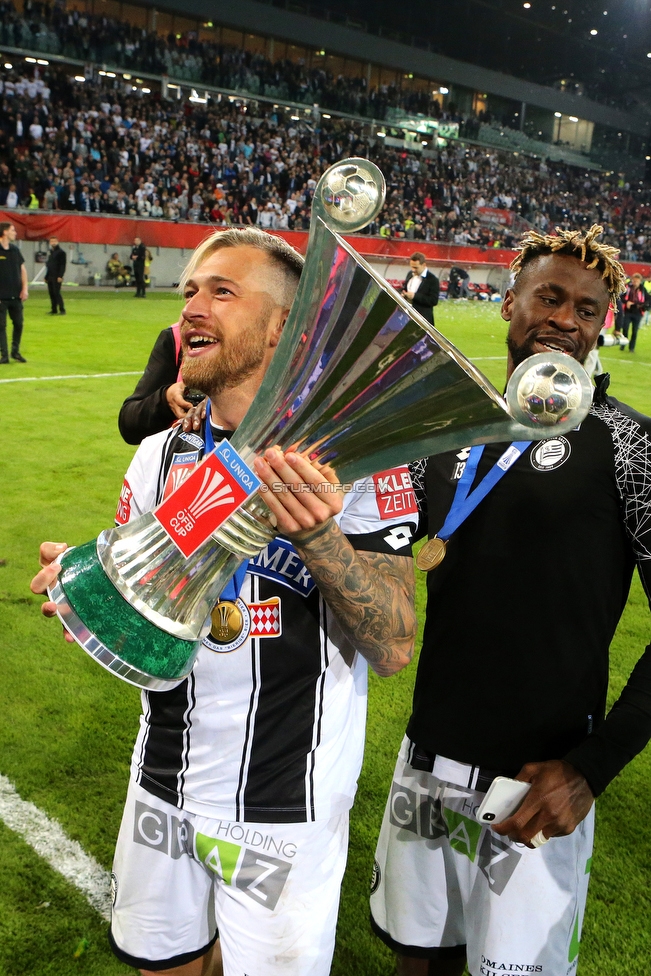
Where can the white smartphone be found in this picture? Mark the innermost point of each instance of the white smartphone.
(502, 799)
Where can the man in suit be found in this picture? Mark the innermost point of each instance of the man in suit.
(421, 287)
(137, 256)
(54, 272)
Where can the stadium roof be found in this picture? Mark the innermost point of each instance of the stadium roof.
(535, 56)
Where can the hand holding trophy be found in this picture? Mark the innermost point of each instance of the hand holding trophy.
(359, 381)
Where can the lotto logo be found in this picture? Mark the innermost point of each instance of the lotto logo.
(398, 537)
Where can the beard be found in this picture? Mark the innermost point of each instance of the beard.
(235, 362)
(519, 352)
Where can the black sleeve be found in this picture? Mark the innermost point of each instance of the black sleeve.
(627, 727)
(435, 290)
(624, 733)
(146, 411)
(57, 264)
(427, 295)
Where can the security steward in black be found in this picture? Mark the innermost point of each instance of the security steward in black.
(54, 272)
(423, 294)
(137, 257)
(13, 292)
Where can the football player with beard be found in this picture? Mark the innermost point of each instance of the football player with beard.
(236, 821)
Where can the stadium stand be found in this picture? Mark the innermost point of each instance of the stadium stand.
(49, 29)
(96, 146)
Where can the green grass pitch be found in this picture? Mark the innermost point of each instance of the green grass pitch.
(66, 726)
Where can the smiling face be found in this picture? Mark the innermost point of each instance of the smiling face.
(556, 304)
(231, 322)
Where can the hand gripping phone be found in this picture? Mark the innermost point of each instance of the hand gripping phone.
(503, 798)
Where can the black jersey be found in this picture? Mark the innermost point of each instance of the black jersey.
(522, 610)
(11, 261)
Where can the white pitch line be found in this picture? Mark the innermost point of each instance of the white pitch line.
(629, 362)
(49, 839)
(70, 376)
(621, 362)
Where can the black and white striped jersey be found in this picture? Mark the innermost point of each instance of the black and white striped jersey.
(269, 727)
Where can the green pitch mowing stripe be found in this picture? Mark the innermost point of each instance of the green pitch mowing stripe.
(50, 841)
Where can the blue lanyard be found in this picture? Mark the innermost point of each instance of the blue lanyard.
(207, 434)
(232, 589)
(466, 501)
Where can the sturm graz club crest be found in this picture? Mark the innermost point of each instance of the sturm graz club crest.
(550, 454)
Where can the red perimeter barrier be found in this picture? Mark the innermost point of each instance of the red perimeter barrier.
(83, 229)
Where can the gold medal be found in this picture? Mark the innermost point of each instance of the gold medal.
(432, 553)
(227, 622)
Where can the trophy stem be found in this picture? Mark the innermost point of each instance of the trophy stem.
(248, 530)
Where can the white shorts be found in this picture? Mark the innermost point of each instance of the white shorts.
(270, 891)
(445, 886)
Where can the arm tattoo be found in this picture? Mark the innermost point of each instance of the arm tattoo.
(370, 593)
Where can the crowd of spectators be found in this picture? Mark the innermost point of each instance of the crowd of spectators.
(49, 28)
(98, 148)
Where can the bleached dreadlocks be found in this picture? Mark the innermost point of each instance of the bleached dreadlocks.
(584, 246)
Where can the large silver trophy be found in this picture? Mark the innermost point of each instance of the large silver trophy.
(359, 380)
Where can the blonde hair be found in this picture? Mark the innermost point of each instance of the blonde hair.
(286, 260)
(586, 247)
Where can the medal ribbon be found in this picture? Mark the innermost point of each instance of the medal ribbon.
(466, 501)
(232, 589)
